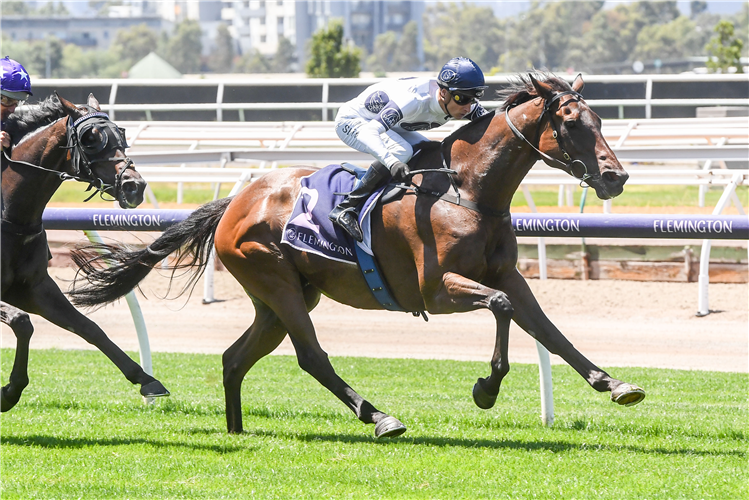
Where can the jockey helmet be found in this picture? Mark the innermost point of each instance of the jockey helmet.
(15, 83)
(462, 76)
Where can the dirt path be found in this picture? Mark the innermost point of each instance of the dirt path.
(613, 323)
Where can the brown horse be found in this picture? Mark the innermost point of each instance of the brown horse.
(54, 141)
(436, 256)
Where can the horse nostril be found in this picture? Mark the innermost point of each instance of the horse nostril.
(614, 177)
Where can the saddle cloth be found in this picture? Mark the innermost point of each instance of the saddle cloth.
(309, 229)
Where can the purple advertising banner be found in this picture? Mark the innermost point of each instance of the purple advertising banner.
(714, 227)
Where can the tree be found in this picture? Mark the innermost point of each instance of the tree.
(253, 62)
(666, 41)
(53, 9)
(452, 30)
(284, 57)
(329, 57)
(15, 8)
(183, 49)
(406, 54)
(724, 49)
(133, 44)
(697, 7)
(222, 56)
(383, 51)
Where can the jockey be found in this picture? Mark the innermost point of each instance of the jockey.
(383, 122)
(15, 87)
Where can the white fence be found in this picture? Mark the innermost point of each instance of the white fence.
(328, 108)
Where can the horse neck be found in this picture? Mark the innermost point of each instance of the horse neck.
(25, 189)
(491, 169)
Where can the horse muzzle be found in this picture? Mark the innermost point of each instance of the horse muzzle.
(610, 184)
(131, 189)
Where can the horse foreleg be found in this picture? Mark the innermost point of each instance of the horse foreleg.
(22, 328)
(531, 318)
(460, 294)
(49, 302)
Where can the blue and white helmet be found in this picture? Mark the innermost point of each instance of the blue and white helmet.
(463, 76)
(15, 82)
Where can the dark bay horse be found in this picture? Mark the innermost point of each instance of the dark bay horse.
(54, 141)
(436, 256)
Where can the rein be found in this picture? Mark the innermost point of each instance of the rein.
(547, 108)
(81, 160)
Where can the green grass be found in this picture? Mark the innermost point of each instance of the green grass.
(81, 431)
(543, 196)
(634, 196)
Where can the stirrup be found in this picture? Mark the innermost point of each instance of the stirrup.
(352, 227)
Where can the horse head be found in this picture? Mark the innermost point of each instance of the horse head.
(97, 151)
(571, 139)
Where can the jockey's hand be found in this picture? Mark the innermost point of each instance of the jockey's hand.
(5, 139)
(400, 172)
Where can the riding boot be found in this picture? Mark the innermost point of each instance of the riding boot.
(346, 213)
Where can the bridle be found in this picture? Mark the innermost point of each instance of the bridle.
(555, 133)
(83, 156)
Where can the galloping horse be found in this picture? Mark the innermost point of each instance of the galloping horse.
(436, 256)
(53, 142)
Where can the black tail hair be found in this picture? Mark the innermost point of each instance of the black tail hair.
(108, 272)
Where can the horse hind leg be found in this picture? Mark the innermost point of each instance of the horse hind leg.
(485, 390)
(314, 360)
(20, 323)
(262, 338)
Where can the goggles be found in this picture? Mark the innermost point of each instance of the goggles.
(462, 99)
(7, 101)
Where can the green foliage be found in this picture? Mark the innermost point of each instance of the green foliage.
(15, 8)
(82, 431)
(393, 52)
(222, 56)
(467, 30)
(183, 49)
(284, 56)
(36, 54)
(330, 57)
(724, 49)
(672, 40)
(253, 62)
(133, 44)
(53, 9)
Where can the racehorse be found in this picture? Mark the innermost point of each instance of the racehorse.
(55, 141)
(436, 256)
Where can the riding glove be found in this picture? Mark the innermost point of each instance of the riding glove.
(400, 172)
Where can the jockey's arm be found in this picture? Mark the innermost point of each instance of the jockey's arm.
(370, 136)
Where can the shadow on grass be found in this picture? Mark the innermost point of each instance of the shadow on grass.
(53, 442)
(555, 446)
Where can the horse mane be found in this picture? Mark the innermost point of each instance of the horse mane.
(521, 88)
(30, 118)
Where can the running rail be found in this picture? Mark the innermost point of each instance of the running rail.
(703, 227)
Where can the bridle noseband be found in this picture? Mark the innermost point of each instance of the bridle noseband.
(555, 133)
(82, 155)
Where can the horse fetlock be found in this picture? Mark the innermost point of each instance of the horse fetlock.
(500, 305)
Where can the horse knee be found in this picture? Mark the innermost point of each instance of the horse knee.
(500, 306)
(311, 362)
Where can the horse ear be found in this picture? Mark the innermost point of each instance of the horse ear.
(70, 108)
(543, 89)
(93, 102)
(578, 84)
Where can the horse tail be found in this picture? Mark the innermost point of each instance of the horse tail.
(108, 272)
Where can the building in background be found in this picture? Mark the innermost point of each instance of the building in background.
(259, 24)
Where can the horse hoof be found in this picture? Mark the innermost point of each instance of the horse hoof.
(483, 399)
(627, 394)
(153, 389)
(5, 402)
(389, 427)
